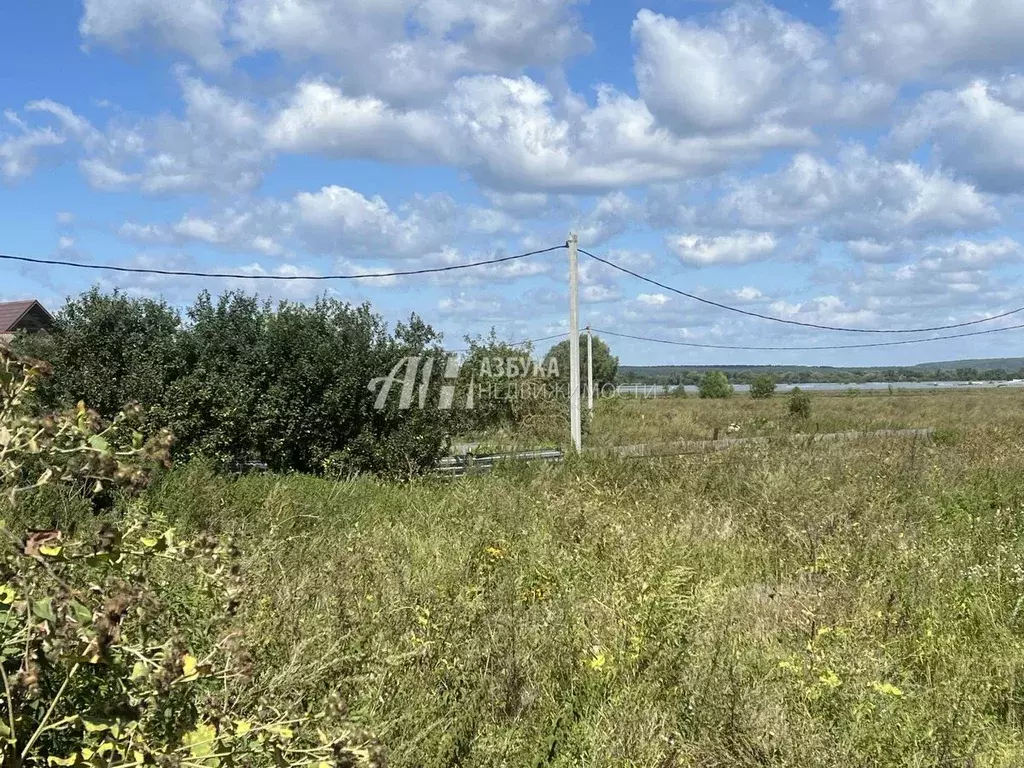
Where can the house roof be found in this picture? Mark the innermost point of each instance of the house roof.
(13, 312)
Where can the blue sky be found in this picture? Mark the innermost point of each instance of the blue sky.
(856, 164)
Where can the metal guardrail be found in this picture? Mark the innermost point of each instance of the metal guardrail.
(470, 464)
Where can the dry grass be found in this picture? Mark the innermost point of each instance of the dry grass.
(858, 605)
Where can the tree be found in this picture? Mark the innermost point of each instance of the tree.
(715, 385)
(762, 387)
(108, 349)
(799, 403)
(606, 366)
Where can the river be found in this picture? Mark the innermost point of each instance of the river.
(657, 390)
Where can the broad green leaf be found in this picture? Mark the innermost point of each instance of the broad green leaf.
(7, 594)
(50, 550)
(242, 727)
(138, 671)
(82, 614)
(95, 726)
(99, 443)
(44, 609)
(62, 760)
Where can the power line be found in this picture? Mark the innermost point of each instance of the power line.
(801, 323)
(222, 275)
(796, 349)
(517, 343)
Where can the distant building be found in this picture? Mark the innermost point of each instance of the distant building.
(27, 315)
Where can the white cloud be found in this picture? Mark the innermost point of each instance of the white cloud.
(320, 118)
(19, 152)
(610, 217)
(978, 131)
(858, 197)
(752, 64)
(866, 249)
(653, 299)
(337, 218)
(217, 146)
(513, 135)
(746, 294)
(373, 43)
(401, 49)
(193, 27)
(738, 248)
(909, 39)
(701, 79)
(339, 221)
(482, 307)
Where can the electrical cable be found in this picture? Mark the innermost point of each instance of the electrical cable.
(808, 348)
(801, 323)
(223, 275)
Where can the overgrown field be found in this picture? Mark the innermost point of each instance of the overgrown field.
(859, 604)
(626, 421)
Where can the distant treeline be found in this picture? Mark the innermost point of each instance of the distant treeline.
(669, 375)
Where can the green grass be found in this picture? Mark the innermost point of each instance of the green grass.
(858, 604)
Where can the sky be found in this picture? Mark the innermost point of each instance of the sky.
(857, 164)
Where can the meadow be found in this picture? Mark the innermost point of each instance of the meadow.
(855, 604)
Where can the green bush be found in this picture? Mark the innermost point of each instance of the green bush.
(762, 387)
(241, 382)
(715, 385)
(799, 403)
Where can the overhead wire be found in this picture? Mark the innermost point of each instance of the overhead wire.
(787, 321)
(235, 276)
(518, 343)
(748, 348)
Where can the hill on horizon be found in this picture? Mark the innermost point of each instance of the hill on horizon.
(970, 368)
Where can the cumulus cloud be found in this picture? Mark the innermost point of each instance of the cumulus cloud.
(856, 198)
(738, 248)
(320, 118)
(653, 299)
(911, 39)
(977, 130)
(194, 28)
(610, 217)
(405, 50)
(19, 152)
(752, 64)
(217, 146)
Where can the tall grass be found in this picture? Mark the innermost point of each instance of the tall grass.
(860, 604)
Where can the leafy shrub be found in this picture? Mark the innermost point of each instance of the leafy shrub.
(240, 381)
(677, 390)
(799, 403)
(762, 387)
(715, 385)
(512, 388)
(121, 651)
